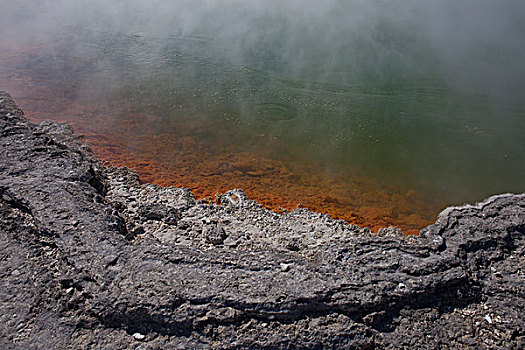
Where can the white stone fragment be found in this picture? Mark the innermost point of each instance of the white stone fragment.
(139, 336)
(285, 267)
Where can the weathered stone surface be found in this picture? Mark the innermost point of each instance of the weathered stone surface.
(92, 259)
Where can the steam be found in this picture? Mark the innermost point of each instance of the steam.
(304, 56)
(476, 42)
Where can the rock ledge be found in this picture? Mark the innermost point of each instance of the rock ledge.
(92, 259)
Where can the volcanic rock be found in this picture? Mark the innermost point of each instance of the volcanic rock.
(90, 258)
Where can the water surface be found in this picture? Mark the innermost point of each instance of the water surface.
(374, 112)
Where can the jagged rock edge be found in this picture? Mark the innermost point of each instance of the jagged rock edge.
(347, 309)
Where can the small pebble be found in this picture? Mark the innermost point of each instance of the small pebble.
(285, 267)
(488, 318)
(139, 336)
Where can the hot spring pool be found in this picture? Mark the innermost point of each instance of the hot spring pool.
(378, 113)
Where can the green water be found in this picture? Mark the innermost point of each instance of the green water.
(360, 90)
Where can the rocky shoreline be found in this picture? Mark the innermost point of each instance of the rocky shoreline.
(92, 259)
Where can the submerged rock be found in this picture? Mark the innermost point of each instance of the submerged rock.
(90, 258)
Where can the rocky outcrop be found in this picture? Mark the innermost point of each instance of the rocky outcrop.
(92, 259)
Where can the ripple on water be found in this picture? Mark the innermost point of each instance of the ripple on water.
(275, 112)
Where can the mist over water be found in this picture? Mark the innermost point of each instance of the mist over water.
(423, 95)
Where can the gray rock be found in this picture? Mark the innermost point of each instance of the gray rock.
(90, 258)
(215, 235)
